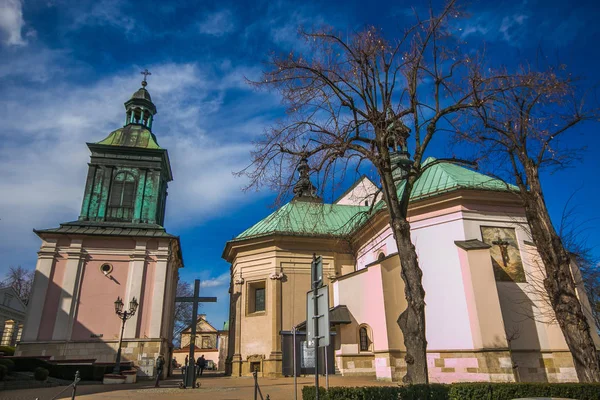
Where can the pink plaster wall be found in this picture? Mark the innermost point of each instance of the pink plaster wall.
(448, 324)
(146, 300)
(52, 298)
(96, 312)
(363, 295)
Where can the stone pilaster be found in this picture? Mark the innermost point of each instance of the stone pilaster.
(69, 296)
(43, 270)
(275, 358)
(158, 293)
(135, 286)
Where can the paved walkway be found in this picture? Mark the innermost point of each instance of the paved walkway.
(212, 388)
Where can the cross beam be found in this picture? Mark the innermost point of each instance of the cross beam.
(190, 377)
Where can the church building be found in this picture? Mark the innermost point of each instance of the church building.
(486, 317)
(116, 249)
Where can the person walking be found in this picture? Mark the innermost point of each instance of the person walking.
(160, 363)
(201, 364)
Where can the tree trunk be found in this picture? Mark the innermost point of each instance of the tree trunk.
(559, 282)
(411, 320)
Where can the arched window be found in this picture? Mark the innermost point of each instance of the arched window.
(122, 197)
(364, 339)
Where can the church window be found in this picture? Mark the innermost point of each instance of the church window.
(364, 339)
(122, 197)
(7, 300)
(256, 297)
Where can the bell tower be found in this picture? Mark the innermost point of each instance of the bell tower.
(129, 172)
(116, 249)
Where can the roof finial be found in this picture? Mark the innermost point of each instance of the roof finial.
(145, 72)
(304, 189)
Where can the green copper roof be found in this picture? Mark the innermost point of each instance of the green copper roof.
(132, 135)
(309, 219)
(444, 177)
(318, 219)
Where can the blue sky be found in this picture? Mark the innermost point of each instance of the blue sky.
(66, 67)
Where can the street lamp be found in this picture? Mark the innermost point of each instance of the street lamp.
(124, 316)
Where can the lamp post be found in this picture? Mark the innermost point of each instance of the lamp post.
(124, 316)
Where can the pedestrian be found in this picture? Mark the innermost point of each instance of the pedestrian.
(201, 363)
(160, 363)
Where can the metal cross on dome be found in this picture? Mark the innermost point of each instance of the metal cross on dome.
(145, 72)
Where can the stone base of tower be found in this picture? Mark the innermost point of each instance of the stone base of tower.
(142, 352)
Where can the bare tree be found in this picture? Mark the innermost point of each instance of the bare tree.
(20, 279)
(352, 101)
(183, 311)
(573, 231)
(526, 125)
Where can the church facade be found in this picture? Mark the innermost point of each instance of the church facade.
(486, 317)
(117, 248)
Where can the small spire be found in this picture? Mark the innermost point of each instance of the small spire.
(304, 189)
(145, 72)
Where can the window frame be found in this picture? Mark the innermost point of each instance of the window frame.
(251, 289)
(123, 187)
(368, 334)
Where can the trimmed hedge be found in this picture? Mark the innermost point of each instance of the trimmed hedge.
(509, 391)
(413, 392)
(3, 372)
(8, 363)
(458, 391)
(23, 364)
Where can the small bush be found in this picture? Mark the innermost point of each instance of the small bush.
(3, 372)
(7, 350)
(8, 363)
(40, 374)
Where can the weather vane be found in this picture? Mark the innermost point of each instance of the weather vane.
(145, 72)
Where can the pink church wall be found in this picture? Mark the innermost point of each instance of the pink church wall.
(98, 293)
(52, 299)
(146, 311)
(448, 324)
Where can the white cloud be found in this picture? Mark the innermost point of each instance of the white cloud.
(218, 23)
(494, 26)
(107, 13)
(11, 22)
(219, 281)
(43, 157)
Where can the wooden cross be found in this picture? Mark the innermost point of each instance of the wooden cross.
(145, 72)
(195, 299)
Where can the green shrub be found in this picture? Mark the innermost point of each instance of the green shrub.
(459, 391)
(40, 374)
(8, 363)
(28, 364)
(413, 392)
(7, 350)
(3, 372)
(509, 391)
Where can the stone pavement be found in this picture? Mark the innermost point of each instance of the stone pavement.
(212, 387)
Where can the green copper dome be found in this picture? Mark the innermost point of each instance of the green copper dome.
(132, 135)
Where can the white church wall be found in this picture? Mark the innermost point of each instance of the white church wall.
(447, 316)
(446, 311)
(362, 194)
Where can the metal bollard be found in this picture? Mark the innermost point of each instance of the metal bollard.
(77, 379)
